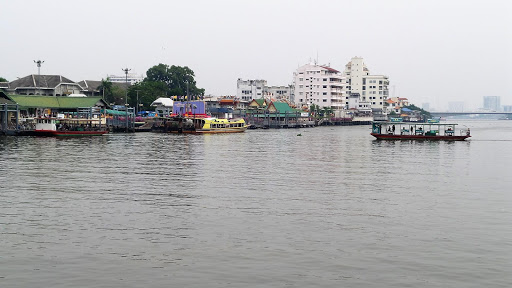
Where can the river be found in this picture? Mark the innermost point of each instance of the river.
(331, 207)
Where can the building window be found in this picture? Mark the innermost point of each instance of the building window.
(325, 79)
(325, 86)
(325, 100)
(325, 93)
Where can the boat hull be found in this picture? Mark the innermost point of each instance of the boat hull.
(418, 137)
(220, 130)
(69, 133)
(208, 131)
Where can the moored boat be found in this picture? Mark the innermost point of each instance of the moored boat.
(69, 127)
(418, 131)
(199, 125)
(214, 125)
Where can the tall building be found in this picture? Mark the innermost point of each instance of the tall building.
(492, 103)
(319, 85)
(369, 88)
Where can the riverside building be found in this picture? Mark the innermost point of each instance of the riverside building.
(319, 85)
(372, 89)
(250, 89)
(247, 90)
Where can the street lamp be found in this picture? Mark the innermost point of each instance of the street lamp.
(126, 70)
(38, 62)
(136, 107)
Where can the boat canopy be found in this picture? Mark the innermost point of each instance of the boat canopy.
(413, 123)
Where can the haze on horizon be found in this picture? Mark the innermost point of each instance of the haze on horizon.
(432, 51)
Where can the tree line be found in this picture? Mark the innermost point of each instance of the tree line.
(161, 80)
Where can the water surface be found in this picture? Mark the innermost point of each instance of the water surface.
(266, 208)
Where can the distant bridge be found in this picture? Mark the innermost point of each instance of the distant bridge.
(444, 114)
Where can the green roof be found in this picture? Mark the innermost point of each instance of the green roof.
(113, 112)
(283, 107)
(260, 101)
(63, 102)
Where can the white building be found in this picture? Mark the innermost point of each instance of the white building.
(250, 89)
(132, 78)
(280, 92)
(371, 88)
(319, 85)
(247, 90)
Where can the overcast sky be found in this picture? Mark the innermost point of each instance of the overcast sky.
(432, 51)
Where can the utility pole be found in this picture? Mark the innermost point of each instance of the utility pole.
(38, 62)
(188, 99)
(126, 70)
(137, 107)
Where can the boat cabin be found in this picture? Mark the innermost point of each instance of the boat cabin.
(409, 130)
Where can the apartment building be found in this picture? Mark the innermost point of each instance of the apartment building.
(319, 85)
(247, 90)
(370, 88)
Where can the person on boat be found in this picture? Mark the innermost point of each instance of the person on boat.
(468, 133)
(393, 129)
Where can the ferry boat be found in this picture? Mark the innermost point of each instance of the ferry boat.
(418, 131)
(200, 125)
(214, 125)
(65, 127)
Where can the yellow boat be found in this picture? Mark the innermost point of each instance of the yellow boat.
(214, 125)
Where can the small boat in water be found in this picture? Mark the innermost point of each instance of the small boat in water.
(66, 127)
(198, 125)
(214, 125)
(418, 131)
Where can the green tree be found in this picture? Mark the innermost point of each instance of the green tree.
(2, 79)
(148, 91)
(312, 109)
(178, 79)
(327, 112)
(105, 89)
(425, 113)
(118, 95)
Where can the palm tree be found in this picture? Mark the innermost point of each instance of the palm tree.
(106, 88)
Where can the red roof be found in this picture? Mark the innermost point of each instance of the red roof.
(330, 69)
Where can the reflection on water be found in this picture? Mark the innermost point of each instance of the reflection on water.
(262, 208)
